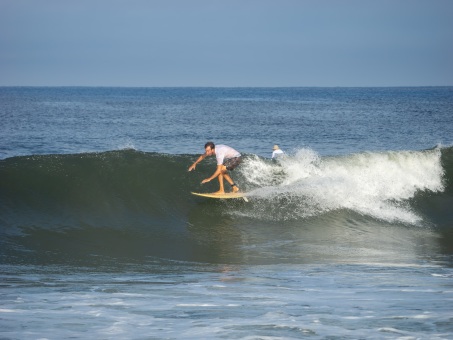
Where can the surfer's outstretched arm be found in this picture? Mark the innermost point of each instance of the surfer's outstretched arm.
(215, 174)
(192, 167)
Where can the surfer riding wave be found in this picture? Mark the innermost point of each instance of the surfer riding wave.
(227, 160)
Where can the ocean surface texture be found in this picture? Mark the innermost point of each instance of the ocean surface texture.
(349, 235)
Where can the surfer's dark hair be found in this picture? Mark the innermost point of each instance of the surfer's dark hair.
(210, 144)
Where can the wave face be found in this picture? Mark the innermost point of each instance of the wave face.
(126, 203)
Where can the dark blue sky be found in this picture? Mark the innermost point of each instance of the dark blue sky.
(226, 43)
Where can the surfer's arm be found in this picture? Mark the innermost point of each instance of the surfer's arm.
(214, 175)
(192, 167)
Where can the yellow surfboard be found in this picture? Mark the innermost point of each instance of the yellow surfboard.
(222, 196)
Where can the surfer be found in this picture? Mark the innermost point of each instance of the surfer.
(277, 152)
(227, 160)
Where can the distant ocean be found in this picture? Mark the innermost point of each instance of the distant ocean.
(347, 236)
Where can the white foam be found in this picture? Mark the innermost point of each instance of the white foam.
(374, 184)
(127, 145)
(6, 310)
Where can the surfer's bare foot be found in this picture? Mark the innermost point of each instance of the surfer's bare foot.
(235, 188)
(219, 192)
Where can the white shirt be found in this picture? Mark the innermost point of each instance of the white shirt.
(277, 153)
(224, 151)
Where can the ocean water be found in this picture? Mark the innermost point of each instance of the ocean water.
(349, 236)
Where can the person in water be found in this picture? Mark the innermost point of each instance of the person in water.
(227, 160)
(277, 152)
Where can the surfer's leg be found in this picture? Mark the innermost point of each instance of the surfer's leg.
(231, 164)
(221, 187)
(229, 180)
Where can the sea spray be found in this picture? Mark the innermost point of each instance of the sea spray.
(373, 184)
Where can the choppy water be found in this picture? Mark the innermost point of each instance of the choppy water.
(348, 236)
